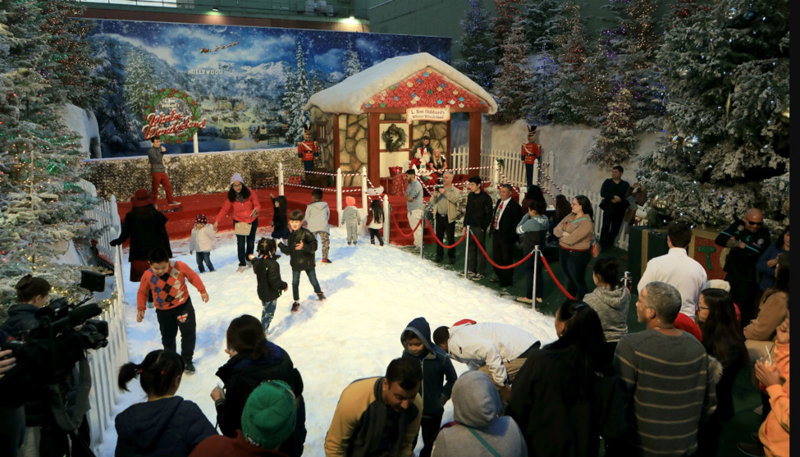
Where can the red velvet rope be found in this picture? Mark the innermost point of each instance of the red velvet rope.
(444, 245)
(544, 261)
(403, 234)
(507, 267)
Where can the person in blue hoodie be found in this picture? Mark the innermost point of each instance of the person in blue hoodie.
(436, 367)
(165, 425)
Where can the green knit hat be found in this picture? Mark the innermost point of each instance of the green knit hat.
(269, 414)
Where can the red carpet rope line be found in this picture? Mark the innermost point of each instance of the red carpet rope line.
(440, 243)
(402, 233)
(544, 261)
(506, 267)
(325, 189)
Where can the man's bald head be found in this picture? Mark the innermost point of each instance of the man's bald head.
(753, 219)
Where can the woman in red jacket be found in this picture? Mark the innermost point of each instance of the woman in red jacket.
(244, 207)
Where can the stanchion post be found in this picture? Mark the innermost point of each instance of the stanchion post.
(420, 227)
(386, 216)
(363, 187)
(466, 252)
(339, 195)
(535, 267)
(280, 178)
(195, 144)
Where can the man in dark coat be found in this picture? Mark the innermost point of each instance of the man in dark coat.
(477, 217)
(147, 229)
(507, 214)
(614, 204)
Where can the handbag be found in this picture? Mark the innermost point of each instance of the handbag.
(241, 228)
(595, 249)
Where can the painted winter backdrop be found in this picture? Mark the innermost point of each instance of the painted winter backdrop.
(250, 83)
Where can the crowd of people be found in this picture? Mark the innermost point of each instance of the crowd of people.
(666, 390)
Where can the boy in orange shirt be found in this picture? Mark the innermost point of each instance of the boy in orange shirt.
(166, 282)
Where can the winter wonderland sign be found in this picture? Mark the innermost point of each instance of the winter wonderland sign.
(173, 116)
(427, 114)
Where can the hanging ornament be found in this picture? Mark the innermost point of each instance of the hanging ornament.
(675, 140)
(732, 13)
(749, 15)
(682, 72)
(690, 141)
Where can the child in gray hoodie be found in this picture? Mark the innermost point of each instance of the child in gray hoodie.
(611, 302)
(317, 215)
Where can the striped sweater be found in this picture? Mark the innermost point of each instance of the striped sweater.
(170, 289)
(669, 389)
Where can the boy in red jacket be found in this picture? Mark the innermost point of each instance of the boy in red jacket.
(166, 282)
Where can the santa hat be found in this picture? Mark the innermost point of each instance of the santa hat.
(464, 322)
(200, 219)
(141, 198)
(237, 177)
(350, 200)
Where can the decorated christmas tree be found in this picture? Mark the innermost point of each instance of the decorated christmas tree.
(296, 94)
(512, 86)
(617, 139)
(727, 145)
(477, 46)
(42, 204)
(507, 13)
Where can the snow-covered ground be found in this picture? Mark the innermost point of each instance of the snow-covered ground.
(373, 292)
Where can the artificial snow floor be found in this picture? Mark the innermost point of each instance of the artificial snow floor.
(373, 292)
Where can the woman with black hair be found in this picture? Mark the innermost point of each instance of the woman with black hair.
(244, 208)
(253, 361)
(166, 424)
(559, 399)
(723, 340)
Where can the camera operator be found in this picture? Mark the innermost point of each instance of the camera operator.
(446, 199)
(49, 404)
(12, 419)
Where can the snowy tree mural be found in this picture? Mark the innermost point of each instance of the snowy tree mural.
(249, 82)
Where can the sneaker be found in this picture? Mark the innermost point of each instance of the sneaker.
(750, 449)
(326, 260)
(524, 300)
(241, 268)
(538, 299)
(348, 243)
(174, 203)
(371, 241)
(188, 367)
(321, 296)
(477, 277)
(295, 307)
(381, 243)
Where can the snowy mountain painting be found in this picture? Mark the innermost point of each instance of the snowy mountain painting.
(246, 81)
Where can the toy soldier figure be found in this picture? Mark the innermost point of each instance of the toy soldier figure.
(531, 151)
(307, 150)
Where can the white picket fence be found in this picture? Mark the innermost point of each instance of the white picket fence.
(104, 363)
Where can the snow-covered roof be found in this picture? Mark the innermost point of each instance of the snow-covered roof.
(349, 95)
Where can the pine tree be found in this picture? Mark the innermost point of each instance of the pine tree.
(42, 206)
(352, 64)
(139, 84)
(512, 85)
(477, 47)
(543, 19)
(296, 94)
(727, 70)
(570, 99)
(507, 13)
(617, 137)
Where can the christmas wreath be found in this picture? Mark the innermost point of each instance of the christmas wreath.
(394, 138)
(164, 94)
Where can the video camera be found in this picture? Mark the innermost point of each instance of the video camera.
(438, 185)
(47, 353)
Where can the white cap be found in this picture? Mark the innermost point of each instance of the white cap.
(237, 177)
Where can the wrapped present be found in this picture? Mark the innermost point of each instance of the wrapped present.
(394, 171)
(398, 185)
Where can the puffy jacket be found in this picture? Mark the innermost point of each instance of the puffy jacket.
(169, 427)
(303, 259)
(268, 277)
(436, 366)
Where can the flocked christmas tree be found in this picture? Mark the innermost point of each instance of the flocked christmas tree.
(507, 13)
(727, 146)
(42, 205)
(543, 19)
(477, 46)
(571, 96)
(512, 85)
(352, 64)
(617, 139)
(296, 94)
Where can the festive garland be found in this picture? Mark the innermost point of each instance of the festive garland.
(165, 93)
(392, 131)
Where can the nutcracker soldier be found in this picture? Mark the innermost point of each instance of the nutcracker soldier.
(307, 150)
(531, 151)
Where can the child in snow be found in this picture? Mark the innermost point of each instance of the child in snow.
(316, 218)
(301, 246)
(351, 219)
(280, 226)
(268, 276)
(202, 242)
(165, 281)
(165, 425)
(375, 221)
(436, 366)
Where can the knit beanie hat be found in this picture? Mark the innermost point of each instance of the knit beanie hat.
(237, 177)
(350, 200)
(269, 414)
(200, 219)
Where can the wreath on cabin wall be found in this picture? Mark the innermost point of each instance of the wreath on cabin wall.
(394, 138)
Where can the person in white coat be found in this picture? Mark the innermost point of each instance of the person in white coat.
(497, 349)
(202, 242)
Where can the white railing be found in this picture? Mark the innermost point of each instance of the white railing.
(512, 171)
(595, 199)
(104, 363)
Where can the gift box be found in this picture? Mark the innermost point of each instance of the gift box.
(398, 185)
(394, 171)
